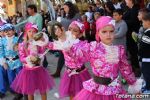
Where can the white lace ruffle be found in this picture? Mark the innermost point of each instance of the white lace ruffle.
(66, 45)
(111, 53)
(10, 43)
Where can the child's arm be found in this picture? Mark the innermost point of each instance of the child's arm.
(22, 52)
(39, 22)
(21, 24)
(27, 55)
(41, 39)
(2, 59)
(125, 68)
(2, 55)
(81, 53)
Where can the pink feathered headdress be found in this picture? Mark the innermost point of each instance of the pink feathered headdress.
(101, 23)
(78, 24)
(29, 26)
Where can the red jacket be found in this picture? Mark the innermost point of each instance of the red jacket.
(87, 26)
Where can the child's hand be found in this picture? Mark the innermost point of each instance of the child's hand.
(5, 66)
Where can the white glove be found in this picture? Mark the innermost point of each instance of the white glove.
(73, 72)
(136, 87)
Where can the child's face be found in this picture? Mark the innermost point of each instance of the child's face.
(96, 16)
(66, 9)
(75, 31)
(2, 34)
(107, 35)
(31, 32)
(146, 24)
(84, 18)
(128, 3)
(58, 31)
(10, 33)
(140, 15)
(116, 16)
(5, 33)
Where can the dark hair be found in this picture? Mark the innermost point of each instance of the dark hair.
(119, 11)
(144, 10)
(146, 17)
(110, 6)
(84, 16)
(53, 30)
(93, 4)
(32, 6)
(61, 8)
(134, 1)
(20, 14)
(72, 9)
(90, 7)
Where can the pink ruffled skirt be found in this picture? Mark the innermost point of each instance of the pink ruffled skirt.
(87, 95)
(70, 86)
(33, 81)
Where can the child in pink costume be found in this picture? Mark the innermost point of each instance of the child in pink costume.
(107, 61)
(33, 77)
(75, 72)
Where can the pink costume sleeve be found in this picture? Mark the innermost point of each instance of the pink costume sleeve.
(22, 53)
(125, 68)
(75, 57)
(26, 52)
(82, 52)
(54, 46)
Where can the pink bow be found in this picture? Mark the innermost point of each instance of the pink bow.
(30, 25)
(79, 24)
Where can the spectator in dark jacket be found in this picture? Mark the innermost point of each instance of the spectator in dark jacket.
(133, 25)
(109, 8)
